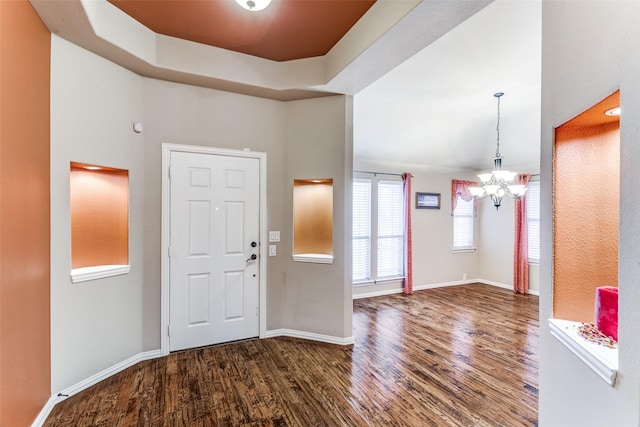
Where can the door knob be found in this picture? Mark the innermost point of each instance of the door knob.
(252, 257)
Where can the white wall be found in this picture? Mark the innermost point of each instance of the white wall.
(590, 49)
(97, 324)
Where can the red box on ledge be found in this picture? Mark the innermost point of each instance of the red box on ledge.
(607, 311)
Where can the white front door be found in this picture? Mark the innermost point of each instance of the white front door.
(214, 238)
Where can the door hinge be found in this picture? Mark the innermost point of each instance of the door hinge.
(257, 311)
(168, 330)
(169, 251)
(169, 171)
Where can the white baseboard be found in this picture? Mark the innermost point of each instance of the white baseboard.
(504, 286)
(496, 284)
(445, 284)
(309, 336)
(438, 285)
(415, 288)
(94, 379)
(377, 293)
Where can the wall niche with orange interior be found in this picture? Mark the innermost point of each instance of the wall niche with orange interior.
(313, 220)
(586, 200)
(99, 198)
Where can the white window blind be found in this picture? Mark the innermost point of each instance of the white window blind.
(390, 229)
(533, 220)
(463, 225)
(378, 229)
(361, 230)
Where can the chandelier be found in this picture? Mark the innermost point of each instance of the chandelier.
(498, 183)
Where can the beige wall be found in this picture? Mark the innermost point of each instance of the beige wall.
(589, 51)
(317, 297)
(100, 323)
(24, 219)
(433, 261)
(495, 248)
(182, 114)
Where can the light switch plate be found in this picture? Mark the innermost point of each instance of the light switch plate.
(272, 250)
(274, 236)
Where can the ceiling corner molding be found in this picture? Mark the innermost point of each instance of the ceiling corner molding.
(389, 33)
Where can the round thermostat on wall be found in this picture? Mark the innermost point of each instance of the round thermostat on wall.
(137, 127)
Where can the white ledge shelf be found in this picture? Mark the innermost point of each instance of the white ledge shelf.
(85, 274)
(602, 360)
(315, 258)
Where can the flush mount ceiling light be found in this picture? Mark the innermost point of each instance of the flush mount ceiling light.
(254, 5)
(498, 183)
(613, 112)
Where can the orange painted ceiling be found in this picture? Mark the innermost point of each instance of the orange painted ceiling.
(595, 116)
(285, 30)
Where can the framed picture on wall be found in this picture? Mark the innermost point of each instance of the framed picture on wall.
(427, 200)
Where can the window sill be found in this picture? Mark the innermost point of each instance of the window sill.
(463, 250)
(364, 283)
(85, 274)
(602, 360)
(315, 258)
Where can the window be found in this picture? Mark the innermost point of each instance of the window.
(463, 225)
(533, 220)
(378, 229)
(361, 229)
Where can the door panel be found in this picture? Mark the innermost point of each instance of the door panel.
(214, 217)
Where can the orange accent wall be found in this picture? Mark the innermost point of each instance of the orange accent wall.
(586, 217)
(25, 373)
(99, 217)
(312, 218)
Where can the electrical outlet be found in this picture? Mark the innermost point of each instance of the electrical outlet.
(464, 276)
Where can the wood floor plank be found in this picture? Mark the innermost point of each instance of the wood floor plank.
(458, 356)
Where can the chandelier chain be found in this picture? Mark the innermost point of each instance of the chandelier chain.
(498, 128)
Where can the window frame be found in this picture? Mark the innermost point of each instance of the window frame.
(373, 278)
(530, 220)
(472, 246)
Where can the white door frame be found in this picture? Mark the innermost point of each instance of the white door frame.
(166, 205)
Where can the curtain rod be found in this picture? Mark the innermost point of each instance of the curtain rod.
(380, 173)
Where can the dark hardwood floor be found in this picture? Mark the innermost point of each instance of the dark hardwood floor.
(458, 356)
